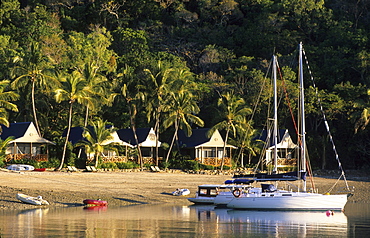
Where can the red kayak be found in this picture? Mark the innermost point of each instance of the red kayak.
(93, 202)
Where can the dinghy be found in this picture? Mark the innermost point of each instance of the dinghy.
(32, 200)
(93, 202)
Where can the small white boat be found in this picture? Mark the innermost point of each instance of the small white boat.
(181, 192)
(32, 200)
(20, 167)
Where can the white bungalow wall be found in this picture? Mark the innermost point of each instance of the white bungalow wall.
(212, 148)
(286, 146)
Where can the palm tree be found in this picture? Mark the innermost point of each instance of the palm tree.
(181, 109)
(133, 97)
(157, 90)
(3, 146)
(99, 85)
(5, 104)
(96, 139)
(74, 89)
(234, 112)
(32, 69)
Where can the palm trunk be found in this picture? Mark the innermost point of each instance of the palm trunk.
(224, 150)
(157, 137)
(172, 142)
(85, 124)
(34, 108)
(97, 159)
(133, 126)
(67, 137)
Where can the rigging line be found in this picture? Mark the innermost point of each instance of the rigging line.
(255, 109)
(293, 119)
(325, 120)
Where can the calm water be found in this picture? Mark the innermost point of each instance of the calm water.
(182, 221)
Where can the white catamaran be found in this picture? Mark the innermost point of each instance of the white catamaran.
(270, 198)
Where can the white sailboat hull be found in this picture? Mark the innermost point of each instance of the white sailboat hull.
(289, 201)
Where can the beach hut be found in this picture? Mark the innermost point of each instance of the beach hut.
(206, 150)
(26, 143)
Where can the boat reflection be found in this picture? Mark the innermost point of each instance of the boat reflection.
(164, 220)
(96, 208)
(231, 215)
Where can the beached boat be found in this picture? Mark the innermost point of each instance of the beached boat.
(20, 167)
(32, 200)
(181, 192)
(93, 202)
(270, 198)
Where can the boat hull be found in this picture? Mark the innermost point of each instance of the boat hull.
(200, 200)
(93, 202)
(295, 201)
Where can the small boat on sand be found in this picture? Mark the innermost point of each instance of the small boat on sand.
(181, 192)
(32, 200)
(20, 167)
(93, 202)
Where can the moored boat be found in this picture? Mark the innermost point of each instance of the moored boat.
(270, 198)
(32, 200)
(95, 202)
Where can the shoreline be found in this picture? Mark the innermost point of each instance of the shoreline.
(65, 189)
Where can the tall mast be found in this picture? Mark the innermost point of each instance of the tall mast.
(274, 64)
(303, 125)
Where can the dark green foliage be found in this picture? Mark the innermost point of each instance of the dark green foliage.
(225, 44)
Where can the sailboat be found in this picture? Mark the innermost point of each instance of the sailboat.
(269, 197)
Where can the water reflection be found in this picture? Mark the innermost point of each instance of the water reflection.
(184, 221)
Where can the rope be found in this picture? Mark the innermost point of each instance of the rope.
(325, 121)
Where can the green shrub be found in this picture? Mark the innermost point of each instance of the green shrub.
(127, 165)
(109, 165)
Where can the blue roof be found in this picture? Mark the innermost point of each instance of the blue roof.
(15, 130)
(75, 135)
(198, 137)
(127, 135)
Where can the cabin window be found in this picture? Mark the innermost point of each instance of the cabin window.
(209, 153)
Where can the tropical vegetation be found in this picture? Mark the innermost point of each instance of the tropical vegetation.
(178, 64)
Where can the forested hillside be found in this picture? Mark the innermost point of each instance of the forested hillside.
(167, 63)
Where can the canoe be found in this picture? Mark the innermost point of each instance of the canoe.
(32, 200)
(93, 202)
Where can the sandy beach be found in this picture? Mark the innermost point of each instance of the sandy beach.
(64, 189)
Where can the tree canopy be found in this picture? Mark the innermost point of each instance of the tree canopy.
(223, 46)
